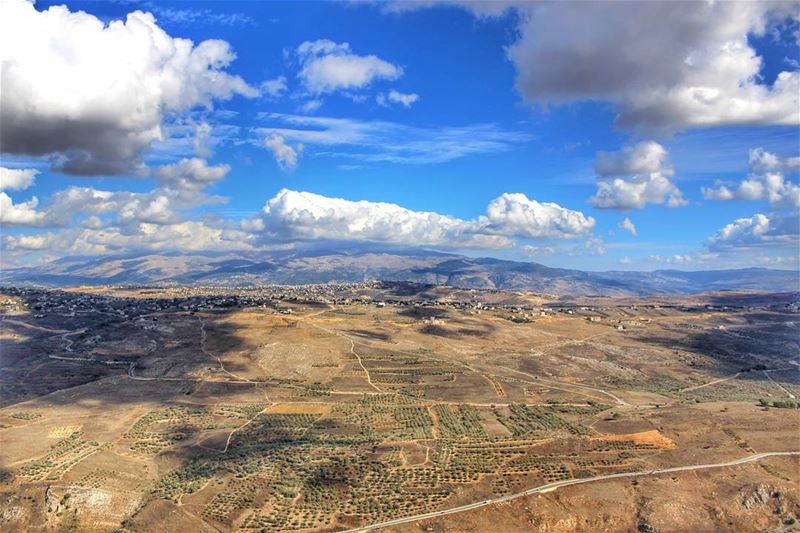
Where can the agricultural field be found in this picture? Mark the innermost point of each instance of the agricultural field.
(266, 412)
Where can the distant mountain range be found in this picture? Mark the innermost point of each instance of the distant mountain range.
(325, 266)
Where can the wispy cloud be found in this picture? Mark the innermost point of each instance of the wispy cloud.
(197, 135)
(381, 141)
(192, 17)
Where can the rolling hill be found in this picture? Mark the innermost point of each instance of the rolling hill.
(429, 267)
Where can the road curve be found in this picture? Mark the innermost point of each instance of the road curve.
(558, 484)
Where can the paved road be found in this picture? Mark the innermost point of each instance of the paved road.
(557, 485)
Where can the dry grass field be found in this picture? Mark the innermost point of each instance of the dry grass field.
(131, 410)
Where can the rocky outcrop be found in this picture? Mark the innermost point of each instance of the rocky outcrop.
(755, 496)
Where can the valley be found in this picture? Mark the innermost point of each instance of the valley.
(384, 406)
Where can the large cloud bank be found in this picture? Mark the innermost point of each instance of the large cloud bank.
(93, 96)
(303, 215)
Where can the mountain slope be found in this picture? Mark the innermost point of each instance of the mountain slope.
(326, 266)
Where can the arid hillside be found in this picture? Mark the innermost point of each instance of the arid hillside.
(396, 407)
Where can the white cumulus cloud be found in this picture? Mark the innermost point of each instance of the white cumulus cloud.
(92, 95)
(766, 180)
(140, 237)
(665, 69)
(161, 206)
(17, 179)
(303, 215)
(20, 214)
(637, 175)
(190, 174)
(327, 67)
(516, 214)
(646, 157)
(757, 231)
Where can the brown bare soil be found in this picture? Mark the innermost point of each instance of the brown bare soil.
(653, 437)
(164, 410)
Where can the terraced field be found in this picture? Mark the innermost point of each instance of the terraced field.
(305, 416)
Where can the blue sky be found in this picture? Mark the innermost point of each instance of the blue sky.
(439, 109)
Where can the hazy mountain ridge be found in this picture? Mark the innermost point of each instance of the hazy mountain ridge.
(329, 266)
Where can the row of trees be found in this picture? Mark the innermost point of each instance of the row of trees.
(781, 404)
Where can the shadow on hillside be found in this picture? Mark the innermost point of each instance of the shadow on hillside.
(424, 312)
(756, 299)
(44, 352)
(404, 289)
(370, 335)
(766, 341)
(455, 333)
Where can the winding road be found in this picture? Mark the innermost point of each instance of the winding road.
(352, 349)
(559, 484)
